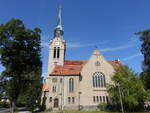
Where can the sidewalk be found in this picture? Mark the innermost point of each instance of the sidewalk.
(24, 112)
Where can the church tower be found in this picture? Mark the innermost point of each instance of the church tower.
(57, 46)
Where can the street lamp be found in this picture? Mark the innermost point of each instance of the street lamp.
(61, 101)
(122, 109)
(79, 99)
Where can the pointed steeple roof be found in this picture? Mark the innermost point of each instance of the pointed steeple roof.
(59, 24)
(58, 32)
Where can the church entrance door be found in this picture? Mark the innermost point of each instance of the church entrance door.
(56, 103)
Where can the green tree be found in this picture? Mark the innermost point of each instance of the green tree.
(145, 49)
(20, 54)
(132, 90)
(31, 97)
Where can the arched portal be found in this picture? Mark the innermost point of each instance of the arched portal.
(56, 103)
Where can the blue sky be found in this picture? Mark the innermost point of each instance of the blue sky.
(108, 24)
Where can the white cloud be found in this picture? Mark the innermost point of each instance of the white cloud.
(80, 45)
(129, 44)
(44, 74)
(73, 45)
(117, 48)
(76, 45)
(132, 56)
(44, 44)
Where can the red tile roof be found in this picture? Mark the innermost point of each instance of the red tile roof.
(44, 87)
(70, 67)
(73, 67)
(115, 63)
(74, 62)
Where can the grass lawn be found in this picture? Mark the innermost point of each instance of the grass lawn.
(74, 111)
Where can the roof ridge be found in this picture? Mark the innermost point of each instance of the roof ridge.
(76, 60)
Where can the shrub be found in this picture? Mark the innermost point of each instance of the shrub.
(48, 110)
(102, 106)
(4, 104)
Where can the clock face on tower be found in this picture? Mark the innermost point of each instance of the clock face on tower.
(56, 43)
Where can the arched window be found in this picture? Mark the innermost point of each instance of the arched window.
(107, 100)
(94, 99)
(73, 100)
(97, 98)
(99, 80)
(58, 52)
(50, 99)
(100, 98)
(71, 85)
(69, 99)
(54, 89)
(99, 83)
(54, 52)
(96, 80)
(93, 81)
(103, 98)
(104, 81)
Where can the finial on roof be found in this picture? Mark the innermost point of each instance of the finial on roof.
(96, 47)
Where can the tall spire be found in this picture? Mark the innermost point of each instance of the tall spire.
(59, 18)
(58, 32)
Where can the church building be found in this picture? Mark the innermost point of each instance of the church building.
(75, 84)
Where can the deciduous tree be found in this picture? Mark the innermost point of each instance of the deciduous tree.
(131, 87)
(20, 54)
(145, 49)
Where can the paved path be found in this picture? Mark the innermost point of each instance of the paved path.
(4, 110)
(24, 112)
